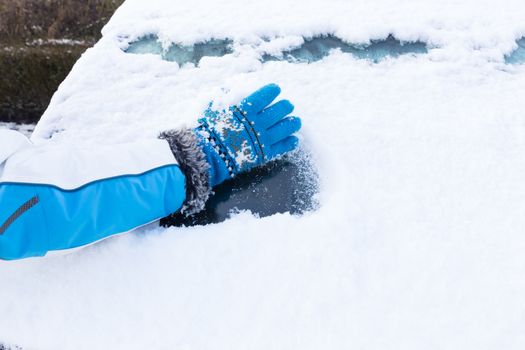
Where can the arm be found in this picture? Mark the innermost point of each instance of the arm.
(56, 198)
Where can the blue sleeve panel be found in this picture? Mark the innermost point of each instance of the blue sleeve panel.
(36, 218)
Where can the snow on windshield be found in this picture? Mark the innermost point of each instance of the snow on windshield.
(417, 240)
(25, 129)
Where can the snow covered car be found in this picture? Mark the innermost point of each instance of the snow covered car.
(411, 168)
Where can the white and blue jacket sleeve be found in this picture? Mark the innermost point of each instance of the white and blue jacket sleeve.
(54, 198)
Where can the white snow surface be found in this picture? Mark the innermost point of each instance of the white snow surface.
(418, 242)
(25, 129)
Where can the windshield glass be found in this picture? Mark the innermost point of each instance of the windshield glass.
(518, 55)
(310, 50)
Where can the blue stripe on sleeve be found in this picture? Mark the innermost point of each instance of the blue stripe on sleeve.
(63, 219)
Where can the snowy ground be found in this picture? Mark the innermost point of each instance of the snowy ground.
(418, 241)
(26, 129)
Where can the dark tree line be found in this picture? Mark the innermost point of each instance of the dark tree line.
(54, 19)
(32, 65)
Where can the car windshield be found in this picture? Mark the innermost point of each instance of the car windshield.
(518, 55)
(310, 50)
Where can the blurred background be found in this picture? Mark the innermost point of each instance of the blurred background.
(40, 40)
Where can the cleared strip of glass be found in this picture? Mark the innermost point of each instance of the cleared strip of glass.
(181, 54)
(311, 50)
(317, 48)
(518, 55)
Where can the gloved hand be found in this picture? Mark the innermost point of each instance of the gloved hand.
(247, 135)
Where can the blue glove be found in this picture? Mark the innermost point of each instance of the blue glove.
(247, 135)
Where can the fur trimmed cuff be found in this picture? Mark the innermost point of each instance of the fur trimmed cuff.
(191, 158)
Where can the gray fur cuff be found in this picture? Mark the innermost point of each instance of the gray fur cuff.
(185, 147)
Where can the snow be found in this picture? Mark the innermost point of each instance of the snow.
(25, 129)
(69, 42)
(418, 241)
